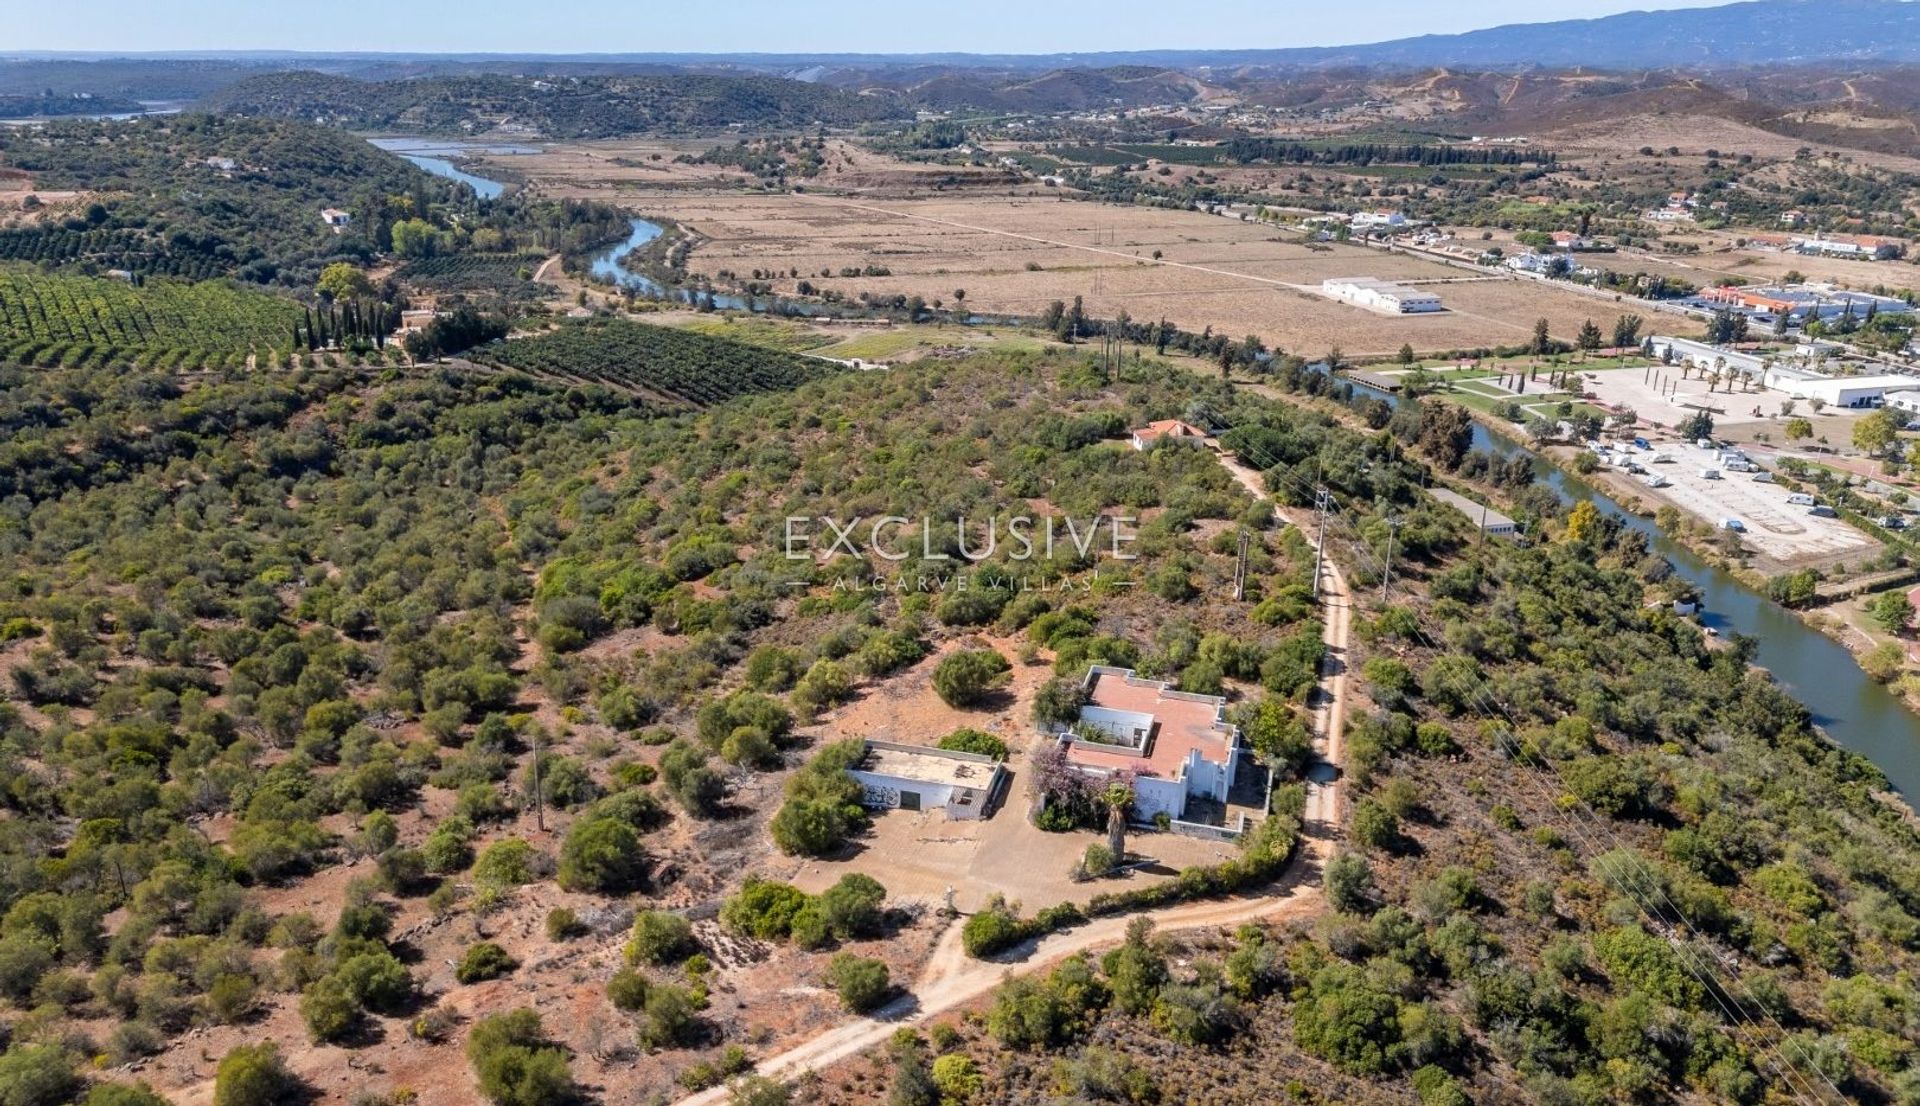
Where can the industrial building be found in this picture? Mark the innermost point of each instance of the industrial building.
(1791, 373)
(1381, 295)
(1486, 518)
(1837, 391)
(1705, 356)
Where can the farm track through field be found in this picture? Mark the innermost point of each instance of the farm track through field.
(952, 979)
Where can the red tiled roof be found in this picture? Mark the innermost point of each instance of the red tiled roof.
(1169, 428)
(1182, 724)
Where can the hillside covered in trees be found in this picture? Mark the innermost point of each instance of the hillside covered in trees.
(558, 107)
(289, 657)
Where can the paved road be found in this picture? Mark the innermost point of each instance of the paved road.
(952, 979)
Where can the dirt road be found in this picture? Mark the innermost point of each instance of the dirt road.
(1330, 724)
(951, 978)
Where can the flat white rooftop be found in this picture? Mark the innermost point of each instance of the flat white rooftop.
(923, 765)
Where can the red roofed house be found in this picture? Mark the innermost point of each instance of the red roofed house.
(1167, 429)
(1177, 745)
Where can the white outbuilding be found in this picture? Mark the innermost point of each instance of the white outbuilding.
(1383, 296)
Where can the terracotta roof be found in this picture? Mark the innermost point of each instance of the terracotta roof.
(1182, 724)
(1169, 428)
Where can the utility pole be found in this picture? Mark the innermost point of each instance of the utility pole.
(539, 813)
(1240, 569)
(1322, 499)
(1386, 575)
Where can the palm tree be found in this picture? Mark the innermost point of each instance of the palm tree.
(1118, 799)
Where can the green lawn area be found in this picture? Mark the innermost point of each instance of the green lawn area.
(881, 345)
(757, 331)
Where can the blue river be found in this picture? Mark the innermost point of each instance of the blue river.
(1853, 710)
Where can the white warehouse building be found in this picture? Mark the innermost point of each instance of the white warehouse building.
(1381, 295)
(1709, 358)
(1838, 391)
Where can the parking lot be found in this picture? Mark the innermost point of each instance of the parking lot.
(1640, 389)
(1775, 528)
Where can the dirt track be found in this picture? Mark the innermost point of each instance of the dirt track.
(952, 979)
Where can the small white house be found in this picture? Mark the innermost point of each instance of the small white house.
(335, 218)
(1377, 220)
(914, 777)
(1167, 430)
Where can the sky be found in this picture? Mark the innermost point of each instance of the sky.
(765, 26)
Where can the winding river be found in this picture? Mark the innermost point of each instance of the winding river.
(436, 157)
(1854, 711)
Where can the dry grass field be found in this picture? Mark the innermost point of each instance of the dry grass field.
(1017, 254)
(1694, 134)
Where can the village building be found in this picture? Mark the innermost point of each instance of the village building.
(1377, 220)
(1754, 299)
(1167, 430)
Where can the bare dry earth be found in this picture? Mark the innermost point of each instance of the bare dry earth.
(1017, 254)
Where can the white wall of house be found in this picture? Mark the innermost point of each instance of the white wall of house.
(1153, 796)
(1128, 726)
(883, 792)
(1206, 778)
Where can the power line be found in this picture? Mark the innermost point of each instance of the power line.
(1690, 959)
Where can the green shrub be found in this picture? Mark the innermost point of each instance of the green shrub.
(670, 1017)
(854, 907)
(603, 855)
(966, 740)
(516, 1065)
(329, 1012)
(995, 928)
(958, 1077)
(823, 805)
(564, 925)
(506, 863)
(861, 983)
(37, 1075)
(763, 908)
(660, 938)
(122, 1094)
(627, 990)
(254, 1075)
(965, 677)
(484, 961)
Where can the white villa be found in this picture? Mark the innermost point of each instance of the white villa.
(1177, 745)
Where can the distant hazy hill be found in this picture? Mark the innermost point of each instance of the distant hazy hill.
(566, 107)
(1761, 32)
